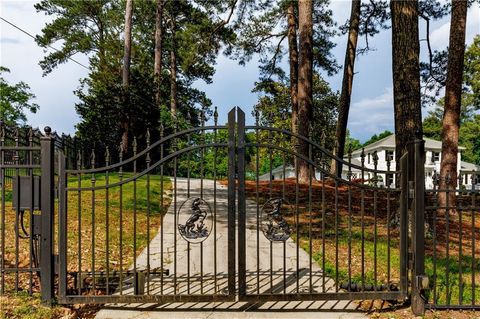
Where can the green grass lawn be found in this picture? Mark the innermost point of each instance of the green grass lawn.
(87, 216)
(133, 214)
(387, 252)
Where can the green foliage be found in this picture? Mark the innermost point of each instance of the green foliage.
(14, 100)
(378, 137)
(95, 28)
(274, 109)
(351, 143)
(469, 129)
(262, 29)
(472, 70)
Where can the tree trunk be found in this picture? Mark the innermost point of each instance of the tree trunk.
(126, 71)
(305, 79)
(127, 49)
(173, 83)
(345, 96)
(406, 74)
(293, 56)
(158, 51)
(453, 96)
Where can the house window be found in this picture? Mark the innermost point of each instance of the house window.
(389, 155)
(389, 180)
(435, 157)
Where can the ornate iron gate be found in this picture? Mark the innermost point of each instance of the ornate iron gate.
(320, 237)
(119, 242)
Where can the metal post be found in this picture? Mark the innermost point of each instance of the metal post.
(47, 208)
(419, 280)
(231, 203)
(404, 223)
(242, 283)
(62, 231)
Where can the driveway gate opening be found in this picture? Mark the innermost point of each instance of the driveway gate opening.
(326, 237)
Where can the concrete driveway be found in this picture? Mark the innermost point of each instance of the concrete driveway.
(186, 262)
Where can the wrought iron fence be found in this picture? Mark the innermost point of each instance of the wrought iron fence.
(452, 236)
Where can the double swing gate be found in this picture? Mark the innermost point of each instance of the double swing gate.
(216, 213)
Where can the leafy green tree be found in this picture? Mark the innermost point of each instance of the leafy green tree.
(352, 143)
(274, 109)
(14, 100)
(469, 138)
(95, 28)
(378, 137)
(469, 129)
(472, 71)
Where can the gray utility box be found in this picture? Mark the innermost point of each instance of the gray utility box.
(26, 184)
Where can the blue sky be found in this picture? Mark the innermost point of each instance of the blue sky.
(372, 100)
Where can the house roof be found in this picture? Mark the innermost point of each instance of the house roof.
(389, 142)
(466, 166)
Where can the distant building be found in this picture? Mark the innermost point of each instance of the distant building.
(385, 150)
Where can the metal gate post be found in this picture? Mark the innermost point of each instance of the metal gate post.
(231, 203)
(242, 221)
(47, 213)
(404, 223)
(419, 280)
(62, 227)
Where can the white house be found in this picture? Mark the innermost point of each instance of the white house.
(385, 150)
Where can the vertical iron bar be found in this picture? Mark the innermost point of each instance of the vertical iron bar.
(460, 238)
(215, 154)
(175, 220)
(284, 244)
(336, 236)
(257, 185)
(135, 272)
(162, 213)
(32, 202)
(297, 231)
(324, 205)
(93, 222)
(120, 177)
(202, 157)
(473, 247)
(107, 220)
(349, 177)
(3, 211)
(147, 160)
(79, 217)
(375, 216)
(310, 216)
(17, 210)
(270, 186)
(447, 247)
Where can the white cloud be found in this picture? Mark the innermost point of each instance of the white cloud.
(20, 53)
(371, 115)
(439, 36)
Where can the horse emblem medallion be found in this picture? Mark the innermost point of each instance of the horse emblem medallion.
(274, 225)
(197, 220)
